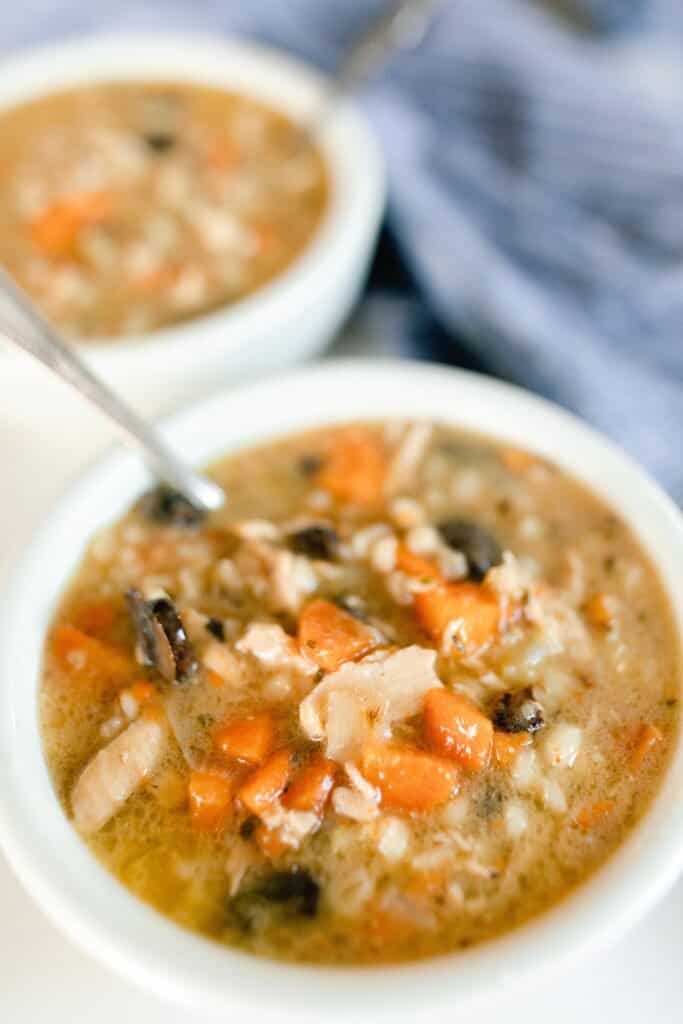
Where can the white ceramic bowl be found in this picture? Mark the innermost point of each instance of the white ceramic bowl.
(112, 925)
(295, 315)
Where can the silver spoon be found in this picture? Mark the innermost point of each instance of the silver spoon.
(43, 342)
(402, 26)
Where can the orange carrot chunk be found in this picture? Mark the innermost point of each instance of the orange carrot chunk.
(210, 797)
(96, 618)
(506, 746)
(594, 814)
(600, 610)
(86, 658)
(269, 842)
(355, 468)
(409, 779)
(648, 737)
(456, 728)
(247, 739)
(472, 606)
(312, 785)
(267, 783)
(330, 636)
(141, 691)
(415, 565)
(517, 460)
(55, 230)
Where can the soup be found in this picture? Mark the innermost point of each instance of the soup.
(130, 207)
(404, 693)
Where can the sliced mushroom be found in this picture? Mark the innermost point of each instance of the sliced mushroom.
(318, 541)
(480, 548)
(162, 639)
(294, 892)
(518, 712)
(164, 505)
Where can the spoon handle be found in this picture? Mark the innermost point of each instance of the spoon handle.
(400, 27)
(45, 344)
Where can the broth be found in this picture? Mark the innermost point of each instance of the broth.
(426, 685)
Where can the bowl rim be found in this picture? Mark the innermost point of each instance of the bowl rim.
(137, 942)
(351, 152)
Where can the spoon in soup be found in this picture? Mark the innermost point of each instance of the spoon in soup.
(36, 335)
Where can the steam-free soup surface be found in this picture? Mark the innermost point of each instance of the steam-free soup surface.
(407, 691)
(128, 207)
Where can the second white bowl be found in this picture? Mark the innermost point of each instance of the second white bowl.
(297, 314)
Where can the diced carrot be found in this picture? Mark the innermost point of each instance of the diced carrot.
(312, 785)
(87, 658)
(55, 230)
(157, 280)
(247, 739)
(267, 783)
(223, 154)
(594, 814)
(456, 728)
(506, 746)
(210, 798)
(142, 691)
(214, 678)
(384, 928)
(330, 636)
(96, 618)
(415, 565)
(267, 238)
(600, 610)
(269, 841)
(517, 460)
(648, 737)
(355, 467)
(409, 779)
(472, 605)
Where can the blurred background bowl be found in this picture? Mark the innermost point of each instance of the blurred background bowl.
(294, 316)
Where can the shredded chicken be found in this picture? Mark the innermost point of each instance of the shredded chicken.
(292, 826)
(220, 659)
(242, 856)
(366, 696)
(276, 574)
(270, 645)
(360, 800)
(410, 451)
(115, 772)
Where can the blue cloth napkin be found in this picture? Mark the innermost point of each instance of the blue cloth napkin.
(536, 186)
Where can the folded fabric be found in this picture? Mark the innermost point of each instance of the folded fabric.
(536, 184)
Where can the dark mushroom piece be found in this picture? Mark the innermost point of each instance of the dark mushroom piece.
(318, 541)
(164, 505)
(480, 548)
(159, 142)
(162, 639)
(294, 893)
(216, 628)
(518, 712)
(309, 465)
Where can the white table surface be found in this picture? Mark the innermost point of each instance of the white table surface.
(46, 437)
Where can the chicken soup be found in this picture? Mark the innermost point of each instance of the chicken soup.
(405, 692)
(130, 207)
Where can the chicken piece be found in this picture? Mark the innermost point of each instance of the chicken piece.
(115, 772)
(276, 574)
(270, 645)
(405, 462)
(366, 696)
